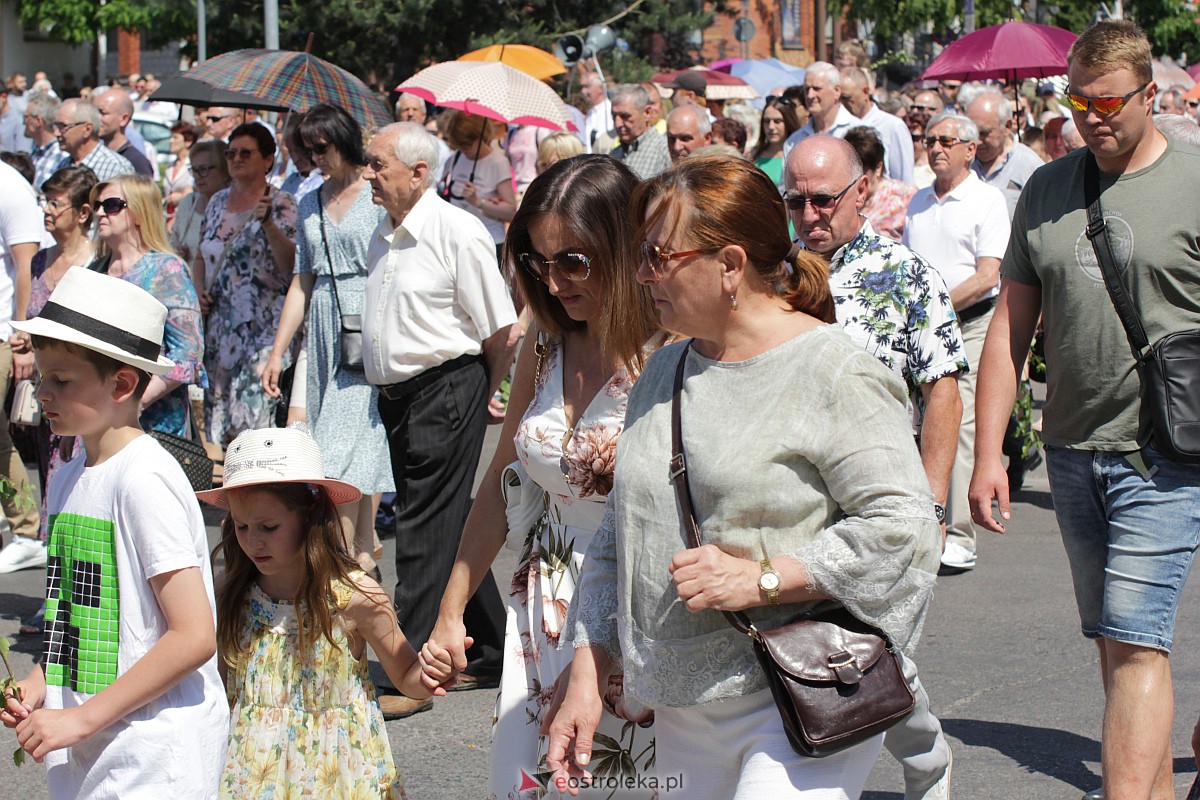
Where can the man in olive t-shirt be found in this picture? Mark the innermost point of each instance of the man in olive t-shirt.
(1126, 514)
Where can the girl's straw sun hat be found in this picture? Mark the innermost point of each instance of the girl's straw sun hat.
(276, 455)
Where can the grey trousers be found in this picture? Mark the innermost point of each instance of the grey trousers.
(917, 741)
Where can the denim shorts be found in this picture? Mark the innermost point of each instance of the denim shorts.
(1129, 540)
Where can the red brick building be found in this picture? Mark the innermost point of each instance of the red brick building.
(784, 29)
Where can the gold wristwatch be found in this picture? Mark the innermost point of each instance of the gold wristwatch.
(769, 581)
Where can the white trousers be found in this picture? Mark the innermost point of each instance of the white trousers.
(736, 750)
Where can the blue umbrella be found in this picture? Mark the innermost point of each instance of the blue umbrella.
(765, 74)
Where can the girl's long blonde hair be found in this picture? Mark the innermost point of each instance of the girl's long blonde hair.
(326, 561)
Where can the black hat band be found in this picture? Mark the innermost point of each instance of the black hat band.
(129, 342)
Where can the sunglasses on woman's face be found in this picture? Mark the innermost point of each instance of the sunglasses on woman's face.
(202, 172)
(316, 149)
(778, 98)
(113, 205)
(1104, 106)
(235, 153)
(575, 266)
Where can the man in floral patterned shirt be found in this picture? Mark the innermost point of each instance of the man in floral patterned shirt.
(892, 303)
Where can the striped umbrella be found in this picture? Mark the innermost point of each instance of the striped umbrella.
(490, 89)
(296, 80)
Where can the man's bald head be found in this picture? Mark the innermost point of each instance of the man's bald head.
(822, 152)
(116, 110)
(992, 113)
(825, 190)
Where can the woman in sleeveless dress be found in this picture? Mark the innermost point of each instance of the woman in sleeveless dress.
(571, 245)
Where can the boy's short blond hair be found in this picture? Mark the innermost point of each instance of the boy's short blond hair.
(1112, 45)
(105, 367)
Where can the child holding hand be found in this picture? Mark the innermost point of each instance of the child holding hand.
(294, 617)
(126, 700)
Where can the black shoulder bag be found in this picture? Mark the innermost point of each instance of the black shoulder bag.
(834, 678)
(1170, 369)
(350, 349)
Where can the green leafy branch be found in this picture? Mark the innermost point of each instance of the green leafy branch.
(10, 687)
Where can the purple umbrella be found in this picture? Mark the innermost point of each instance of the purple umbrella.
(1011, 51)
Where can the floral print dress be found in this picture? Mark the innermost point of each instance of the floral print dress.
(247, 294)
(575, 468)
(304, 725)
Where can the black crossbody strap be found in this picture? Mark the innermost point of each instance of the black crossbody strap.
(325, 242)
(683, 492)
(1097, 233)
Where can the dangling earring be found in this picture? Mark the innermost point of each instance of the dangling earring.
(733, 303)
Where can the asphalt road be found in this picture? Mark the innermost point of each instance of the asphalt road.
(1016, 686)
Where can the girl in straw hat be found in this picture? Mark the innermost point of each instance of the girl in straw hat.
(293, 620)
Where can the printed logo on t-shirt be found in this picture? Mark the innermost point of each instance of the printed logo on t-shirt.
(1120, 239)
(79, 648)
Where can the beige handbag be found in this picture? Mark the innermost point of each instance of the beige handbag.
(26, 410)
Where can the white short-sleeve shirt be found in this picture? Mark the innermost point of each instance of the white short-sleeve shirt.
(952, 232)
(434, 291)
(21, 222)
(113, 527)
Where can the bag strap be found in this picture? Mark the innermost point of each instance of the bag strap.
(1097, 233)
(683, 492)
(328, 259)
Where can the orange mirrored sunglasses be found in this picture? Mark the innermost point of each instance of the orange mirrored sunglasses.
(1104, 106)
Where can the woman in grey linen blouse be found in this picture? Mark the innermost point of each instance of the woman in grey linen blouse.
(800, 461)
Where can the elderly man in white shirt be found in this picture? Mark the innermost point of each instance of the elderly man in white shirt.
(436, 323)
(960, 226)
(823, 97)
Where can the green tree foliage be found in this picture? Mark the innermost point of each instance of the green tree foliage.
(1172, 25)
(76, 21)
(385, 41)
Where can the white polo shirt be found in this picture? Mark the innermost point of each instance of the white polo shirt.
(970, 222)
(21, 222)
(433, 293)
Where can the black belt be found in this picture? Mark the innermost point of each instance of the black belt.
(976, 311)
(403, 389)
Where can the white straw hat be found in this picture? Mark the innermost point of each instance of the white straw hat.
(277, 455)
(105, 314)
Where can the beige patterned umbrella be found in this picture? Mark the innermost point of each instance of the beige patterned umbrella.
(490, 89)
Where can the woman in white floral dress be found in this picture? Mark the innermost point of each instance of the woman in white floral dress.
(571, 244)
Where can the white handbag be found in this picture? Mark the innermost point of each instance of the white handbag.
(524, 504)
(26, 410)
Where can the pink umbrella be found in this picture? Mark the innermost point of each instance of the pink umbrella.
(1011, 51)
(490, 89)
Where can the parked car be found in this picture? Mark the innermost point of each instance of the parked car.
(157, 131)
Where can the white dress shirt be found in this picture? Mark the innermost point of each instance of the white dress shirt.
(21, 222)
(434, 291)
(897, 142)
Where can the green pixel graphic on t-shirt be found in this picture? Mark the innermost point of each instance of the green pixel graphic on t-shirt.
(80, 643)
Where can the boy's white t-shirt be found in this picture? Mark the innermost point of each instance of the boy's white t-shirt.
(113, 527)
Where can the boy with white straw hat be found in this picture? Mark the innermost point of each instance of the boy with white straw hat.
(126, 699)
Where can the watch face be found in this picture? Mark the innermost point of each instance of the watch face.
(939, 511)
(768, 581)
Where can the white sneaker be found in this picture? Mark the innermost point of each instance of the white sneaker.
(941, 789)
(22, 553)
(957, 557)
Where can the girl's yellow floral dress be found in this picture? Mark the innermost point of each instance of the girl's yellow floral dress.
(304, 725)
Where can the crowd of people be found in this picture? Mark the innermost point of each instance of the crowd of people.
(340, 313)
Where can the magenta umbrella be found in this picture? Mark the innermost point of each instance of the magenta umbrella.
(1012, 51)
